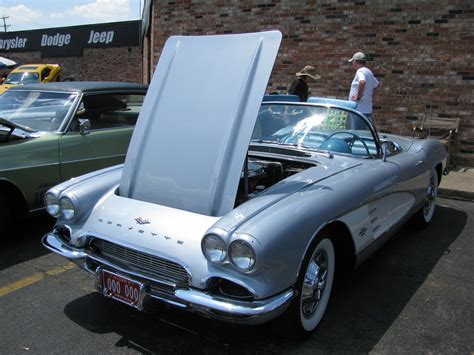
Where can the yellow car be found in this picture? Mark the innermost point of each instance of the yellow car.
(32, 73)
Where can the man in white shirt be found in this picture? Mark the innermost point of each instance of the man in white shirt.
(363, 85)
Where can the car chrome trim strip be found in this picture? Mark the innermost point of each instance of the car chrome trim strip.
(30, 167)
(92, 159)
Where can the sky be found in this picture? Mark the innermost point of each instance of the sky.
(35, 14)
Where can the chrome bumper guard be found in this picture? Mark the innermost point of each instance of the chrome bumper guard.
(193, 300)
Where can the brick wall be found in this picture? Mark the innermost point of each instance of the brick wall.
(103, 64)
(422, 51)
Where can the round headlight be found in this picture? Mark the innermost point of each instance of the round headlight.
(52, 204)
(213, 248)
(67, 208)
(242, 255)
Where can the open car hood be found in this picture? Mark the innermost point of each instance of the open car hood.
(192, 135)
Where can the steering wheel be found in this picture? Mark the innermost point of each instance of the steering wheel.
(355, 137)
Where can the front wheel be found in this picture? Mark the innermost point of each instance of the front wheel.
(314, 289)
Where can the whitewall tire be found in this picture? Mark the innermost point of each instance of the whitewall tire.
(314, 289)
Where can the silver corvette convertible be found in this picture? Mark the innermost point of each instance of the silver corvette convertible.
(236, 209)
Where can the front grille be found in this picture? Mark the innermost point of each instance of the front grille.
(146, 264)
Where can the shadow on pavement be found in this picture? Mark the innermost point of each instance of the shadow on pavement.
(361, 310)
(24, 241)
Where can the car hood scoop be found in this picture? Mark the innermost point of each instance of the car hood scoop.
(192, 135)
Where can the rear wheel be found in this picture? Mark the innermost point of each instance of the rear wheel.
(314, 289)
(425, 214)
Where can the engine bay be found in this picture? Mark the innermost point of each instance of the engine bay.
(263, 173)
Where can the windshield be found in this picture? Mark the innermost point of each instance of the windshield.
(314, 127)
(40, 111)
(22, 78)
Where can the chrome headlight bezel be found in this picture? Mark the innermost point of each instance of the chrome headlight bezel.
(213, 242)
(68, 208)
(230, 247)
(240, 249)
(51, 203)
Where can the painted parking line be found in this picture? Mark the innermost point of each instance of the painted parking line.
(30, 280)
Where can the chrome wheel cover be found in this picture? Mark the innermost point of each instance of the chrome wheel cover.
(314, 283)
(317, 284)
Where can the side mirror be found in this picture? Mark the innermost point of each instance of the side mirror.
(84, 126)
(389, 148)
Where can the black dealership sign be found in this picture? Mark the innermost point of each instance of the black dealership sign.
(69, 41)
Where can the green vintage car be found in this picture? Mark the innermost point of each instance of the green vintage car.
(52, 132)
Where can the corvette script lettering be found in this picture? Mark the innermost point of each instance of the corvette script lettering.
(141, 221)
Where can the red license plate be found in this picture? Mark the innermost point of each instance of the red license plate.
(121, 288)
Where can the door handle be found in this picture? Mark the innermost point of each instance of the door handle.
(419, 163)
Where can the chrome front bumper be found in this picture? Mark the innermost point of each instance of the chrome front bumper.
(193, 300)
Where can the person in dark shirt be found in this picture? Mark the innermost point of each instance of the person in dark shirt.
(300, 86)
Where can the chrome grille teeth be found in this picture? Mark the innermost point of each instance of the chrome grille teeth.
(158, 268)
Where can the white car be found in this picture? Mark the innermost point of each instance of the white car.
(235, 209)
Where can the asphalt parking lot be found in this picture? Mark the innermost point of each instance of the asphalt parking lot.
(415, 295)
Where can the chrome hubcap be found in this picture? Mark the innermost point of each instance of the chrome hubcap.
(314, 283)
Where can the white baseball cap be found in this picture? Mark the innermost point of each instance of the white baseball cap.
(359, 56)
